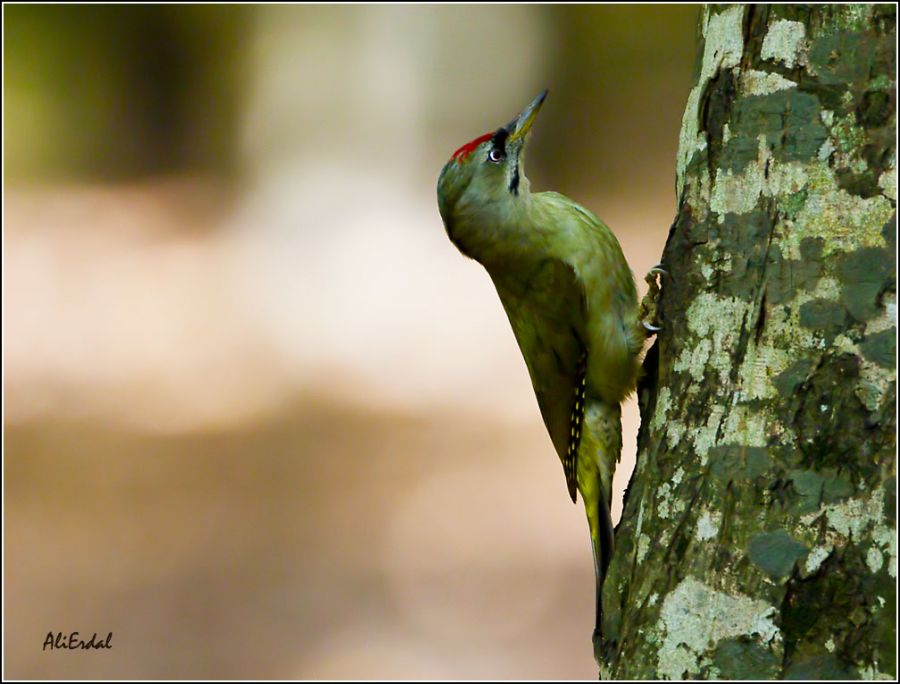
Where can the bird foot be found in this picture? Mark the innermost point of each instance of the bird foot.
(649, 316)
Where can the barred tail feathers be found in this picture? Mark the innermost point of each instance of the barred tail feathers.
(598, 453)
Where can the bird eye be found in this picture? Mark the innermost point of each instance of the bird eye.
(496, 155)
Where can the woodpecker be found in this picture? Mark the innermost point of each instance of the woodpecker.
(570, 297)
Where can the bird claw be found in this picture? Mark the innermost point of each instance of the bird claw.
(651, 299)
(650, 278)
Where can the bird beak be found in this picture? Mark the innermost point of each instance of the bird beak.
(520, 126)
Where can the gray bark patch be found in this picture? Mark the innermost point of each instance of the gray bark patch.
(775, 553)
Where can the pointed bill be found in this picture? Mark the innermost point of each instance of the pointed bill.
(520, 126)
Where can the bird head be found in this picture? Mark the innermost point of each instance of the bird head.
(487, 174)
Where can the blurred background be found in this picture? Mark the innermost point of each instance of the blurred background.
(261, 418)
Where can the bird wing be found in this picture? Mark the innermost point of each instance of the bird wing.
(547, 309)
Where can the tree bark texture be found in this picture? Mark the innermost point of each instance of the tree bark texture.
(759, 534)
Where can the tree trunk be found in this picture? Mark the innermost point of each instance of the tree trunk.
(759, 535)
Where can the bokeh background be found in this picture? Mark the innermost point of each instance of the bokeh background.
(261, 418)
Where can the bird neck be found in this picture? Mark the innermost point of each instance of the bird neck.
(492, 230)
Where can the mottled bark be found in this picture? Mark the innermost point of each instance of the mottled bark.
(759, 535)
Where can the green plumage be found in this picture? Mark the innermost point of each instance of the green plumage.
(571, 300)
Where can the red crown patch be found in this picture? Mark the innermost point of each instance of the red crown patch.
(463, 152)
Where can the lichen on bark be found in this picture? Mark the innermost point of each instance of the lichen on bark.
(759, 536)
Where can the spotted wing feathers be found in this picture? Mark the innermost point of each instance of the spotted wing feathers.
(570, 460)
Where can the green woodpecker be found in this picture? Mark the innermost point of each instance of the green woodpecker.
(571, 299)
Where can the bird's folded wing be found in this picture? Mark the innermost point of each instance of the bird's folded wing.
(546, 307)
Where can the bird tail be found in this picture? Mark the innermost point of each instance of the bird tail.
(598, 453)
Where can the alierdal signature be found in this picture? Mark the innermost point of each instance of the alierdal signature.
(74, 641)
